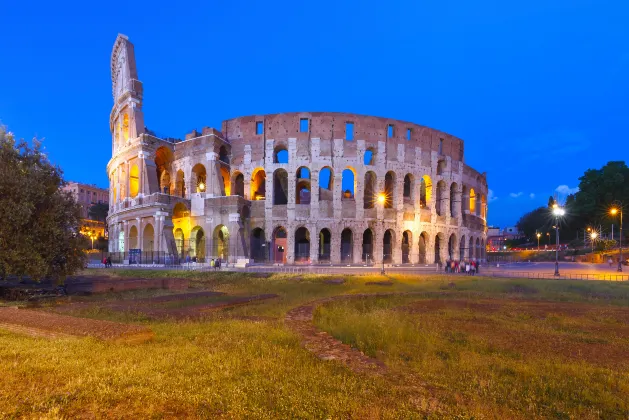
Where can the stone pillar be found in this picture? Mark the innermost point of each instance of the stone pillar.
(314, 244)
(335, 244)
(357, 246)
(140, 234)
(126, 236)
(396, 243)
(290, 245)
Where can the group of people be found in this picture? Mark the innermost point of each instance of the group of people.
(107, 261)
(466, 267)
(215, 263)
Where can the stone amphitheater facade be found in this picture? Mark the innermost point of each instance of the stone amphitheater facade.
(289, 188)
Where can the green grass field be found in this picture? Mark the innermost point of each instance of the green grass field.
(478, 348)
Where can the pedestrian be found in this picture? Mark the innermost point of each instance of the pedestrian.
(610, 261)
(108, 261)
(467, 268)
(218, 263)
(105, 261)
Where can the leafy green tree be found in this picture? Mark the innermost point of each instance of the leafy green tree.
(538, 220)
(39, 223)
(98, 212)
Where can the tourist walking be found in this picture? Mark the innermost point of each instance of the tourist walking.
(467, 268)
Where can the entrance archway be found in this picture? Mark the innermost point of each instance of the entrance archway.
(259, 253)
(387, 246)
(179, 242)
(325, 240)
(221, 242)
(133, 237)
(147, 238)
(368, 246)
(462, 249)
(438, 245)
(197, 244)
(302, 245)
(347, 245)
(279, 245)
(406, 246)
(452, 246)
(422, 247)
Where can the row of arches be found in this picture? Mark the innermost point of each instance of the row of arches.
(472, 248)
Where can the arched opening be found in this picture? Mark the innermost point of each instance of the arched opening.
(147, 239)
(348, 184)
(438, 245)
(462, 249)
(197, 244)
(472, 201)
(133, 237)
(238, 187)
(302, 187)
(387, 246)
(134, 181)
(280, 187)
(200, 174)
(452, 242)
(279, 245)
(389, 190)
(258, 184)
(302, 245)
(325, 240)
(409, 181)
(180, 210)
(179, 242)
(180, 184)
(470, 251)
(406, 246)
(326, 184)
(223, 154)
(370, 157)
(280, 154)
(464, 199)
(425, 191)
(483, 205)
(347, 245)
(221, 242)
(125, 127)
(368, 246)
(369, 198)
(423, 238)
(115, 197)
(163, 161)
(477, 252)
(440, 204)
(226, 185)
(259, 253)
(454, 192)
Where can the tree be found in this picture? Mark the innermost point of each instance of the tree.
(538, 220)
(39, 223)
(98, 212)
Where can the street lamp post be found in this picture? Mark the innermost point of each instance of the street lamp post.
(593, 235)
(557, 212)
(538, 236)
(615, 210)
(382, 198)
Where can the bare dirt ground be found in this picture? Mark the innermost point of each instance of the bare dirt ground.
(44, 324)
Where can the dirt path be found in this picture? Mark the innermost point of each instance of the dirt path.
(49, 325)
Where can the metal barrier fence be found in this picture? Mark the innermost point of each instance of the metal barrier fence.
(551, 276)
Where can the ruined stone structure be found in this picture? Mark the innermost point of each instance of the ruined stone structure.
(290, 188)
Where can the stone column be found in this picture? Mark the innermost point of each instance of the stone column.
(140, 234)
(314, 243)
(357, 246)
(314, 194)
(335, 244)
(290, 245)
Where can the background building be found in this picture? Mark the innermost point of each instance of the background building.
(289, 188)
(88, 195)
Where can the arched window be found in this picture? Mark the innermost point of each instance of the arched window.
(472, 201)
(441, 199)
(325, 239)
(147, 239)
(302, 193)
(409, 181)
(454, 200)
(180, 184)
(370, 157)
(280, 155)
(258, 184)
(223, 155)
(425, 191)
(125, 127)
(134, 181)
(389, 190)
(326, 184)
(226, 187)
(239, 184)
(369, 198)
(348, 184)
(280, 187)
(200, 174)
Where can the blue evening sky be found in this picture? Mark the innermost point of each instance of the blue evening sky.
(538, 89)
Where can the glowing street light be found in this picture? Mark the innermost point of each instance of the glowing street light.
(557, 212)
(614, 211)
(593, 235)
(539, 235)
(201, 186)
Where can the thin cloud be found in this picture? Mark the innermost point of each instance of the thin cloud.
(490, 196)
(516, 195)
(532, 195)
(566, 190)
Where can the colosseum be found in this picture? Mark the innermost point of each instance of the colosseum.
(292, 188)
